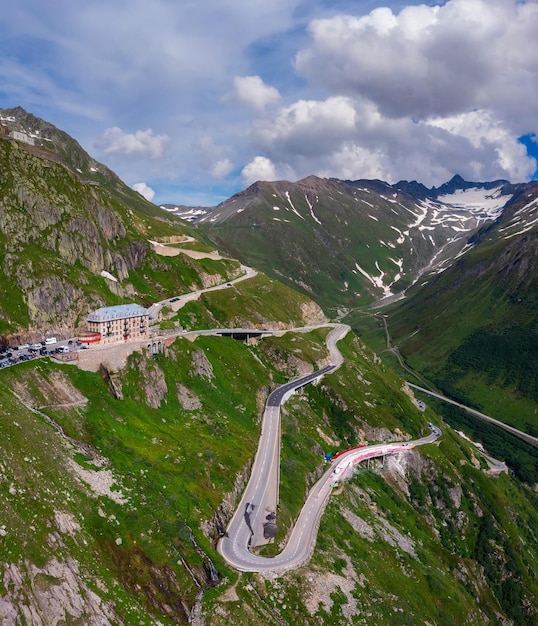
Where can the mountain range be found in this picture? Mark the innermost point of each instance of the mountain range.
(74, 237)
(116, 481)
(350, 243)
(453, 267)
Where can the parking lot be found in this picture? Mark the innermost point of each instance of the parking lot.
(27, 352)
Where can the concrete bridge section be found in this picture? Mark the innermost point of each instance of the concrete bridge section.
(243, 334)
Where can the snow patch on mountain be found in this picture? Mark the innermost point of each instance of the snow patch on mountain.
(108, 275)
(401, 238)
(314, 217)
(484, 203)
(387, 199)
(190, 214)
(377, 281)
(523, 220)
(291, 204)
(526, 229)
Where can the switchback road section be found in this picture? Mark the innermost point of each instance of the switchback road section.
(254, 521)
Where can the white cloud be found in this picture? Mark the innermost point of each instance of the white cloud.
(415, 92)
(352, 162)
(253, 91)
(484, 132)
(143, 142)
(421, 94)
(145, 191)
(260, 168)
(350, 138)
(430, 61)
(212, 158)
(222, 168)
(308, 126)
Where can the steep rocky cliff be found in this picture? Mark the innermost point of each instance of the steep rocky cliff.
(69, 245)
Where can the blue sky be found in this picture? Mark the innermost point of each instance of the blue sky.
(192, 101)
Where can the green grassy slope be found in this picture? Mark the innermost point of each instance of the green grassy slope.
(179, 442)
(58, 233)
(258, 302)
(312, 233)
(115, 486)
(473, 329)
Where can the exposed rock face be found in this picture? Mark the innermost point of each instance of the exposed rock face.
(128, 258)
(53, 594)
(373, 433)
(209, 280)
(322, 587)
(57, 230)
(52, 300)
(188, 399)
(312, 313)
(291, 364)
(202, 366)
(215, 527)
(57, 390)
(155, 387)
(456, 494)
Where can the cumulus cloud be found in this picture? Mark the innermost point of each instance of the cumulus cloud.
(491, 137)
(221, 168)
(141, 142)
(260, 168)
(251, 90)
(421, 94)
(416, 91)
(308, 126)
(349, 138)
(145, 191)
(430, 61)
(211, 157)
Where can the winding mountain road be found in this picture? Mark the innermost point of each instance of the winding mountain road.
(254, 521)
(487, 418)
(177, 302)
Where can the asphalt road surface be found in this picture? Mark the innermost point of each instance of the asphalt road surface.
(518, 433)
(180, 300)
(254, 520)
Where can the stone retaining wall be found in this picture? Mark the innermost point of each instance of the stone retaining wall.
(114, 356)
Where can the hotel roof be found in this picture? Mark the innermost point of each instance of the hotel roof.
(119, 312)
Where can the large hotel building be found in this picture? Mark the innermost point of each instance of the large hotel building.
(125, 322)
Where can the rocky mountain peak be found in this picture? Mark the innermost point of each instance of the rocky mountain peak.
(457, 183)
